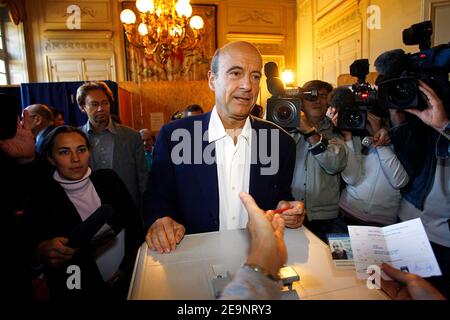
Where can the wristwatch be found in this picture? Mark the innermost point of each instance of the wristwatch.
(262, 271)
(310, 133)
(319, 147)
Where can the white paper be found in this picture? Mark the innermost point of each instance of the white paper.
(403, 245)
(109, 261)
(156, 121)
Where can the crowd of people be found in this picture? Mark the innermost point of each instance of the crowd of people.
(239, 171)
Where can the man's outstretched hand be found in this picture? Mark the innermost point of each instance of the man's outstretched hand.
(267, 247)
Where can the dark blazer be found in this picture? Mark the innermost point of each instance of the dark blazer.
(41, 138)
(54, 215)
(189, 192)
(128, 159)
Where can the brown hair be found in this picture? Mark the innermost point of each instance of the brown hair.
(49, 140)
(93, 85)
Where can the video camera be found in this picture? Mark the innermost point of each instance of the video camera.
(284, 107)
(400, 71)
(354, 104)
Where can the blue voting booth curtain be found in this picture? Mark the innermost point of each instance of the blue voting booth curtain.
(62, 96)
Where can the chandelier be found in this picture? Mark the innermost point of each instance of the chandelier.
(165, 27)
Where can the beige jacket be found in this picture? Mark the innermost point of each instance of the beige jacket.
(316, 178)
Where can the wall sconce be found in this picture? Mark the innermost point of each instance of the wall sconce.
(287, 76)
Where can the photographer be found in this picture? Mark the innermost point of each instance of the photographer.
(373, 175)
(320, 155)
(423, 148)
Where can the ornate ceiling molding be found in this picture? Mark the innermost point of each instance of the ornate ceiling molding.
(239, 16)
(349, 21)
(257, 38)
(352, 16)
(255, 16)
(264, 42)
(77, 40)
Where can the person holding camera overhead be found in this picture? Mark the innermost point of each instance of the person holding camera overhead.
(423, 148)
(416, 89)
(320, 155)
(373, 174)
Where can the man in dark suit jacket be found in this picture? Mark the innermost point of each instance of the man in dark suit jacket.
(42, 122)
(114, 146)
(188, 186)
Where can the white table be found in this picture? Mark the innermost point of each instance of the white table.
(186, 273)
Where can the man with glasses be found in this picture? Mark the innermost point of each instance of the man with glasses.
(321, 155)
(113, 146)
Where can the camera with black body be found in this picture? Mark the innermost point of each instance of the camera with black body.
(400, 71)
(284, 107)
(284, 111)
(353, 105)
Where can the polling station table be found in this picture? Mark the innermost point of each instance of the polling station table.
(187, 272)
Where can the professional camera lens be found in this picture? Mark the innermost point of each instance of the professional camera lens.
(403, 93)
(354, 119)
(284, 112)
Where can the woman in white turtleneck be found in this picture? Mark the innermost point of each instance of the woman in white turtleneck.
(67, 198)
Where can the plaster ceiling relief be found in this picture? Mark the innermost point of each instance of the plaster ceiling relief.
(56, 45)
(256, 16)
(93, 12)
(244, 16)
(84, 11)
(268, 48)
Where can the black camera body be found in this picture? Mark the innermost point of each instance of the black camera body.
(400, 93)
(284, 111)
(353, 115)
(400, 90)
(284, 107)
(353, 119)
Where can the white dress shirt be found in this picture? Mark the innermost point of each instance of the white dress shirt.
(233, 171)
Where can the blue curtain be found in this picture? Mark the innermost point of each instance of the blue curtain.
(62, 96)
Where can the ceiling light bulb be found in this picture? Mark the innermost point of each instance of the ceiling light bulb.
(188, 10)
(145, 5)
(142, 29)
(196, 22)
(179, 8)
(127, 16)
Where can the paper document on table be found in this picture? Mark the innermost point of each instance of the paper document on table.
(403, 245)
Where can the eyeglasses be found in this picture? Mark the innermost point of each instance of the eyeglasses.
(96, 104)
